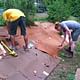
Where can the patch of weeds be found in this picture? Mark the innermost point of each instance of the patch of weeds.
(66, 69)
(62, 55)
(78, 47)
(67, 76)
(73, 18)
(2, 22)
(70, 76)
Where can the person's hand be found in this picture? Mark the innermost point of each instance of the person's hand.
(60, 46)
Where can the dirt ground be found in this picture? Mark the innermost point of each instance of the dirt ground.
(66, 69)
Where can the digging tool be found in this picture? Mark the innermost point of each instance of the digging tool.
(11, 51)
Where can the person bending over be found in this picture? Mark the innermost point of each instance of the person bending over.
(15, 18)
(72, 29)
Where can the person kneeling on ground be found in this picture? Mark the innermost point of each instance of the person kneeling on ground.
(72, 29)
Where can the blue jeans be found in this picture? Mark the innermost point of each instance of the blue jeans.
(75, 34)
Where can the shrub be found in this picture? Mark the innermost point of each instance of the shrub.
(73, 18)
(58, 11)
(2, 22)
(27, 6)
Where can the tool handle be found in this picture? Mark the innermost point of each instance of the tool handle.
(5, 46)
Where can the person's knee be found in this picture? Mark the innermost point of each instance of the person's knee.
(26, 38)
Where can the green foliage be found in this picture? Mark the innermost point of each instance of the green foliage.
(70, 76)
(75, 7)
(78, 47)
(73, 18)
(27, 6)
(2, 22)
(62, 55)
(1, 3)
(58, 10)
(48, 2)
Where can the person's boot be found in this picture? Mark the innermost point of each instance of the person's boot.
(70, 53)
(25, 47)
(68, 49)
(13, 47)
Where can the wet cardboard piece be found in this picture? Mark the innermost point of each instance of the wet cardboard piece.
(30, 65)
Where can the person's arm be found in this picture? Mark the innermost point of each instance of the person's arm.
(64, 38)
(70, 37)
(67, 32)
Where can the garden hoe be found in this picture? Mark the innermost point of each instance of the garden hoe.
(11, 52)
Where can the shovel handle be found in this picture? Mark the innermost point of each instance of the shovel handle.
(5, 46)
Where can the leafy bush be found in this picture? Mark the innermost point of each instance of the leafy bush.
(58, 10)
(75, 5)
(78, 47)
(73, 18)
(27, 6)
(2, 22)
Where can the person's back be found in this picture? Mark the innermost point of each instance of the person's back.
(12, 14)
(70, 24)
(72, 29)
